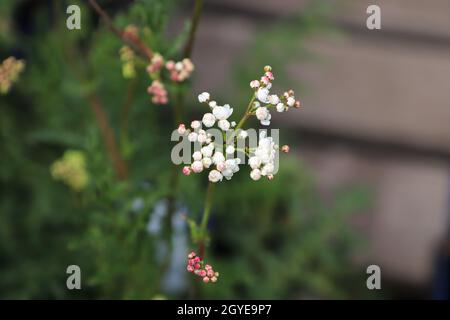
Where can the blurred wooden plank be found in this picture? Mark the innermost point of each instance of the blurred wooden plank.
(407, 223)
(413, 16)
(381, 91)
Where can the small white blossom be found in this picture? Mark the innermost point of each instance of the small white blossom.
(197, 166)
(197, 155)
(207, 151)
(222, 112)
(263, 115)
(212, 104)
(208, 120)
(281, 107)
(263, 95)
(179, 66)
(207, 162)
(290, 101)
(254, 162)
(255, 174)
(243, 134)
(203, 97)
(202, 137)
(218, 157)
(192, 137)
(223, 124)
(273, 99)
(221, 166)
(229, 150)
(214, 176)
(195, 124)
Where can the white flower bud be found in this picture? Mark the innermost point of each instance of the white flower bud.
(273, 99)
(214, 176)
(280, 107)
(195, 124)
(203, 97)
(197, 166)
(202, 138)
(197, 155)
(262, 113)
(229, 150)
(290, 101)
(213, 104)
(207, 151)
(262, 94)
(192, 137)
(254, 162)
(243, 134)
(206, 162)
(223, 124)
(208, 120)
(255, 174)
(218, 157)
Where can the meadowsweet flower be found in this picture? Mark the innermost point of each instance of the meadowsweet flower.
(203, 97)
(156, 63)
(222, 112)
(208, 119)
(215, 176)
(158, 92)
(181, 70)
(71, 169)
(262, 161)
(221, 164)
(199, 268)
(9, 73)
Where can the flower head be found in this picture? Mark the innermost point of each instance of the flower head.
(199, 268)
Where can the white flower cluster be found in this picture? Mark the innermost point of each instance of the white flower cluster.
(211, 155)
(262, 161)
(262, 94)
(218, 113)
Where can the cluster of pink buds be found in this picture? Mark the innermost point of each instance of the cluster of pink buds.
(158, 92)
(181, 70)
(155, 64)
(198, 267)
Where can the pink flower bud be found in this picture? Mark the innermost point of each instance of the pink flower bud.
(205, 279)
(186, 170)
(208, 267)
(202, 273)
(210, 273)
(182, 130)
(170, 65)
(197, 266)
(269, 75)
(265, 80)
(285, 148)
(190, 268)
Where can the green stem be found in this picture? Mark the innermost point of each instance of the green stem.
(205, 219)
(194, 24)
(207, 209)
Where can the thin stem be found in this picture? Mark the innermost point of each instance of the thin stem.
(208, 205)
(244, 118)
(131, 40)
(194, 24)
(205, 218)
(108, 136)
